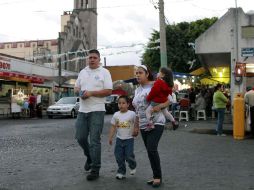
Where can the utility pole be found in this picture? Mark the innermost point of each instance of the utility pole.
(163, 47)
(59, 61)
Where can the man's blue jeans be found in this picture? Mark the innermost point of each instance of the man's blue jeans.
(90, 124)
(124, 152)
(220, 119)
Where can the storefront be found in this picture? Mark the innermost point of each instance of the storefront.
(15, 87)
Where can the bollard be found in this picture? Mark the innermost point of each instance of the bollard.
(239, 120)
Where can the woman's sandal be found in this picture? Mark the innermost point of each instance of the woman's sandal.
(156, 184)
(150, 182)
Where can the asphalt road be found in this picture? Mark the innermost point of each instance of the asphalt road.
(41, 154)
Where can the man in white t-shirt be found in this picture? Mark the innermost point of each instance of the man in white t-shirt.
(94, 83)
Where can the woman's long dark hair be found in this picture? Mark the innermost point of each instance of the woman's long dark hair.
(149, 72)
(168, 76)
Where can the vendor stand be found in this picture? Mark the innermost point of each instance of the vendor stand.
(17, 101)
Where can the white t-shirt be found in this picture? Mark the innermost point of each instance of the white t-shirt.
(93, 80)
(125, 124)
(140, 104)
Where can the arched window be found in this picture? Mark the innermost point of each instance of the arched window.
(82, 4)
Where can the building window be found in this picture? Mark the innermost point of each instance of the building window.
(53, 42)
(14, 45)
(1, 46)
(82, 4)
(40, 43)
(27, 44)
(86, 3)
(77, 32)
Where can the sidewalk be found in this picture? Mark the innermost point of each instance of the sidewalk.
(206, 127)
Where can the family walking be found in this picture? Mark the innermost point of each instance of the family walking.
(94, 83)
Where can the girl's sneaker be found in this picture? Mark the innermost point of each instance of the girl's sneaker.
(132, 171)
(175, 125)
(120, 176)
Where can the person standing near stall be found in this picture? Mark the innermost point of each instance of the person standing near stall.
(220, 102)
(32, 104)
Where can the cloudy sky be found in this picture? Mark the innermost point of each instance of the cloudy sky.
(120, 22)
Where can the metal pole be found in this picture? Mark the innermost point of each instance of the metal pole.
(59, 60)
(105, 62)
(236, 29)
(163, 47)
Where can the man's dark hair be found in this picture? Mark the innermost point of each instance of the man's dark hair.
(94, 51)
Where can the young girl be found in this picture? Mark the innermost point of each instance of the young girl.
(123, 122)
(160, 93)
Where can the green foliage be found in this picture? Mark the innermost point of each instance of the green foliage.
(179, 53)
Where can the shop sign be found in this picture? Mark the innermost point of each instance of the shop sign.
(4, 65)
(247, 52)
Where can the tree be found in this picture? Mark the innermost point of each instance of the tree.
(179, 51)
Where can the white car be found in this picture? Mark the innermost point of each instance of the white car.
(67, 106)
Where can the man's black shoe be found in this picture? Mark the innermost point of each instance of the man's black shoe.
(92, 176)
(87, 166)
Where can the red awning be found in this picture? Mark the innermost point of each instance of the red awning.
(22, 76)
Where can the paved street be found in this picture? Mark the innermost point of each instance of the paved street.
(42, 154)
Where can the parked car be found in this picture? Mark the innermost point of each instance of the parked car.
(67, 106)
(111, 104)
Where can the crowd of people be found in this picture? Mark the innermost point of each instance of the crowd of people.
(32, 105)
(199, 98)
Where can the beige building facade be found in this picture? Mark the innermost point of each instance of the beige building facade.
(30, 50)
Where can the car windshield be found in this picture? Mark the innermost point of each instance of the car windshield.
(109, 98)
(67, 100)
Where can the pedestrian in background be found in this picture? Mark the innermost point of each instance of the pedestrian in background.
(38, 105)
(123, 122)
(32, 105)
(151, 138)
(249, 100)
(220, 101)
(94, 83)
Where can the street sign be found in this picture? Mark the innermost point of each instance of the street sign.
(247, 52)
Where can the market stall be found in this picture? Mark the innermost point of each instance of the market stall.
(18, 99)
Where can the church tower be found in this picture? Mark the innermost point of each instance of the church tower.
(78, 33)
(85, 4)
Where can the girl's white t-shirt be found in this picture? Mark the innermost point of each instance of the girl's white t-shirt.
(124, 123)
